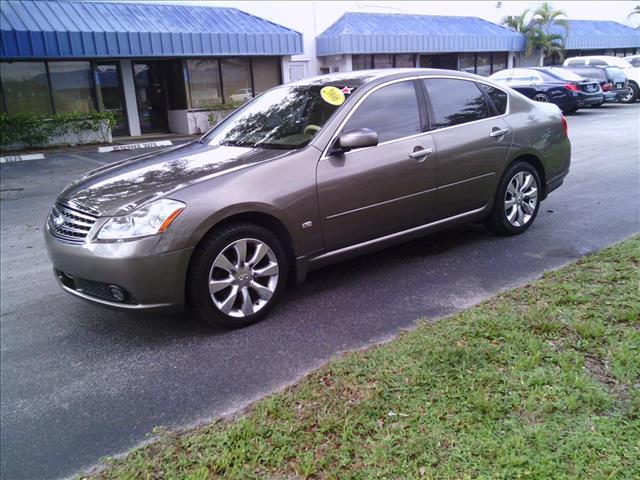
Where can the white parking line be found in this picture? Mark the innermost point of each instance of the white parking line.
(22, 158)
(135, 146)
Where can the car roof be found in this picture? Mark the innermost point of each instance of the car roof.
(614, 61)
(360, 77)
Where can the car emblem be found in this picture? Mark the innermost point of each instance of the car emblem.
(58, 220)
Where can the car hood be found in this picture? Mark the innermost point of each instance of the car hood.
(121, 187)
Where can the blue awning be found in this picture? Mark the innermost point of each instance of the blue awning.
(70, 29)
(599, 34)
(402, 33)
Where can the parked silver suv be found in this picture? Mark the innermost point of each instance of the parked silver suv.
(304, 175)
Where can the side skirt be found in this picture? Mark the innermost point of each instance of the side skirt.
(305, 264)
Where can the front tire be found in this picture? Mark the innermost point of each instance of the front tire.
(517, 200)
(237, 274)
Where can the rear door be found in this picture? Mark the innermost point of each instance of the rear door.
(371, 192)
(472, 139)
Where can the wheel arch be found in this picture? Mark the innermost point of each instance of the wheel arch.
(263, 219)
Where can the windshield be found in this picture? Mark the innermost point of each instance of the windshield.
(634, 61)
(591, 72)
(283, 118)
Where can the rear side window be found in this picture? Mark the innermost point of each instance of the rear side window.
(576, 61)
(635, 61)
(497, 96)
(595, 61)
(455, 102)
(392, 112)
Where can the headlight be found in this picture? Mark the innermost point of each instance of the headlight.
(152, 218)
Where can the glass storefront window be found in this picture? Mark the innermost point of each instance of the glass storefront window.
(204, 83)
(110, 94)
(383, 61)
(405, 60)
(236, 79)
(25, 87)
(176, 84)
(483, 64)
(71, 87)
(266, 73)
(499, 62)
(467, 62)
(361, 62)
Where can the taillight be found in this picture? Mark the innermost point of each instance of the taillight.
(571, 86)
(607, 87)
(565, 127)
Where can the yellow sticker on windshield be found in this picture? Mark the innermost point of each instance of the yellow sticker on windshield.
(332, 95)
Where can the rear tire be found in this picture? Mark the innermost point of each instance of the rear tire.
(541, 97)
(517, 200)
(236, 276)
(634, 93)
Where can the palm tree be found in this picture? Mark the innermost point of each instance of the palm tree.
(544, 35)
(635, 11)
(518, 23)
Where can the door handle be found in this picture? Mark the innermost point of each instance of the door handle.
(420, 154)
(499, 132)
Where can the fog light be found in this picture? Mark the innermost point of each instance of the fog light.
(116, 292)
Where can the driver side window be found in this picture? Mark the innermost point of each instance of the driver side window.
(392, 112)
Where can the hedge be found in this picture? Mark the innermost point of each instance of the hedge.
(37, 130)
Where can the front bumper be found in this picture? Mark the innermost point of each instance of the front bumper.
(149, 280)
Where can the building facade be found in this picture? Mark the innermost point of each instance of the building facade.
(157, 67)
(359, 41)
(168, 67)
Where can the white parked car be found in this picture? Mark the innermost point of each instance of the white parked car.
(631, 71)
(634, 60)
(241, 96)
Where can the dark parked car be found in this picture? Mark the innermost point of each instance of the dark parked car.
(566, 89)
(613, 81)
(303, 175)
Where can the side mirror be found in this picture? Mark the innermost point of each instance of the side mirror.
(360, 138)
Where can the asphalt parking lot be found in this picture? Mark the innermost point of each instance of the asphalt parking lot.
(80, 382)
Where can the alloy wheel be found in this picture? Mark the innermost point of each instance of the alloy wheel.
(243, 277)
(521, 198)
(541, 98)
(627, 98)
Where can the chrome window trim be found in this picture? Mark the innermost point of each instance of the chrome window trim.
(325, 152)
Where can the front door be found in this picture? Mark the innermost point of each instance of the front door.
(473, 141)
(151, 96)
(375, 191)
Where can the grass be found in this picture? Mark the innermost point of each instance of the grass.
(540, 382)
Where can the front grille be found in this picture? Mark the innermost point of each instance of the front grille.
(69, 223)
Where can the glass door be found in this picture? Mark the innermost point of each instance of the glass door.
(151, 96)
(110, 95)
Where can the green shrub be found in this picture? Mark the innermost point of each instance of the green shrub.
(37, 130)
